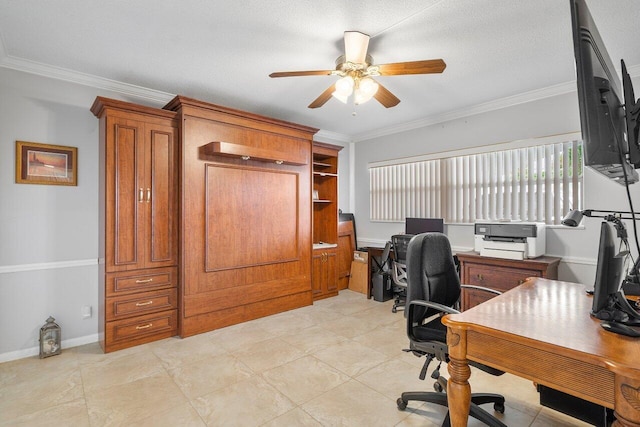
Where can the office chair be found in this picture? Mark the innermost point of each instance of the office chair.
(399, 269)
(433, 290)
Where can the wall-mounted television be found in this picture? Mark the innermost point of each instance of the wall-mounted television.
(609, 147)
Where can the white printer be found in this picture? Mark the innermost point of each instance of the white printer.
(510, 240)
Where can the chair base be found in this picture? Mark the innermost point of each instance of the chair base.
(398, 303)
(475, 411)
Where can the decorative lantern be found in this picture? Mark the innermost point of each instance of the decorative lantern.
(50, 339)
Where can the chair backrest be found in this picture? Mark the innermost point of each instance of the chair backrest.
(431, 272)
(400, 243)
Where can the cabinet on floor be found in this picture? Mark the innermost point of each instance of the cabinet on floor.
(500, 274)
(325, 220)
(138, 223)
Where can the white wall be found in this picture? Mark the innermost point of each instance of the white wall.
(48, 233)
(545, 117)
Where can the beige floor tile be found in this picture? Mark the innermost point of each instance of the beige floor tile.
(550, 418)
(251, 402)
(26, 392)
(394, 377)
(123, 404)
(240, 335)
(120, 369)
(296, 417)
(316, 314)
(354, 404)
(351, 357)
(175, 351)
(267, 354)
(388, 339)
(284, 323)
(183, 415)
(347, 326)
(206, 375)
(72, 413)
(304, 379)
(34, 368)
(313, 339)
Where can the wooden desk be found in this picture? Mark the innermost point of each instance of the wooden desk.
(542, 331)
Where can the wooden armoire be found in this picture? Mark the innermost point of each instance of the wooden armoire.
(205, 218)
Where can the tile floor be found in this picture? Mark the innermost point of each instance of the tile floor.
(336, 363)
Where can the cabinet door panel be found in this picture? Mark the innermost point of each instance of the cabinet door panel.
(160, 195)
(124, 157)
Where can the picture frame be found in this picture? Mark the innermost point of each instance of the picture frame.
(47, 164)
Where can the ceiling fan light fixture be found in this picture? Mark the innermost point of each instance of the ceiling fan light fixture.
(344, 89)
(366, 88)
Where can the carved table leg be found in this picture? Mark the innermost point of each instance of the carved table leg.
(458, 388)
(627, 400)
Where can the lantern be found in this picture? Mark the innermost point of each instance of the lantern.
(50, 338)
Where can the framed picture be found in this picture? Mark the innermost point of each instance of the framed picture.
(46, 164)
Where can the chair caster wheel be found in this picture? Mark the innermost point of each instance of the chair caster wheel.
(402, 405)
(394, 310)
(498, 407)
(438, 387)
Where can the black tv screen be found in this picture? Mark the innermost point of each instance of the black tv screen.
(602, 116)
(423, 225)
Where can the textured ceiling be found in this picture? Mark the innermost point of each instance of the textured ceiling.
(497, 51)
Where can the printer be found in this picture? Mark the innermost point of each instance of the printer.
(510, 240)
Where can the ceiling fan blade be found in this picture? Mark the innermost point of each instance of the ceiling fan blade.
(386, 98)
(428, 66)
(355, 46)
(301, 73)
(323, 98)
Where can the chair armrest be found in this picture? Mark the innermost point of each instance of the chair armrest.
(441, 308)
(481, 288)
(411, 307)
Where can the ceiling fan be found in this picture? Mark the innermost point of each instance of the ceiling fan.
(356, 70)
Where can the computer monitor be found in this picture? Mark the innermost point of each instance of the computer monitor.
(423, 225)
(604, 114)
(609, 274)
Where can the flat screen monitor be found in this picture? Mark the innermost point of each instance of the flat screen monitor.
(423, 225)
(609, 272)
(602, 114)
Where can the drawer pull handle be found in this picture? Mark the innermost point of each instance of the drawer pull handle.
(148, 325)
(148, 195)
(140, 194)
(144, 281)
(480, 277)
(140, 304)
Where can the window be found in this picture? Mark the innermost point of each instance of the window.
(537, 183)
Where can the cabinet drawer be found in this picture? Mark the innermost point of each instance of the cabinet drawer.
(141, 280)
(155, 326)
(141, 303)
(501, 279)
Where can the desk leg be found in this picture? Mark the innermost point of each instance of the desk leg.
(458, 388)
(627, 399)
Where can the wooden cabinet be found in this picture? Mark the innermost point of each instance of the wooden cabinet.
(245, 221)
(325, 219)
(138, 223)
(346, 247)
(324, 279)
(500, 274)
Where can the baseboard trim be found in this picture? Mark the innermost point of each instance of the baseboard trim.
(34, 351)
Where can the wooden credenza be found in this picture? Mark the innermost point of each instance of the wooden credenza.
(500, 274)
(138, 218)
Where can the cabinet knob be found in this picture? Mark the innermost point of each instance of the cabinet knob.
(480, 277)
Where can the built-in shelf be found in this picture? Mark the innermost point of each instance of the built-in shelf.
(246, 152)
(324, 174)
(322, 201)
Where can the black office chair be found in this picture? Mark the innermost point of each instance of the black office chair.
(399, 269)
(433, 290)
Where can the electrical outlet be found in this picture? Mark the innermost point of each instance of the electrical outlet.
(85, 310)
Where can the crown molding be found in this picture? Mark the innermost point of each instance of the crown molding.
(84, 79)
(163, 98)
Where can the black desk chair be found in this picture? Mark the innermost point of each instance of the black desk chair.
(433, 290)
(399, 269)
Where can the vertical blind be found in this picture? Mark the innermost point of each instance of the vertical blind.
(539, 183)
